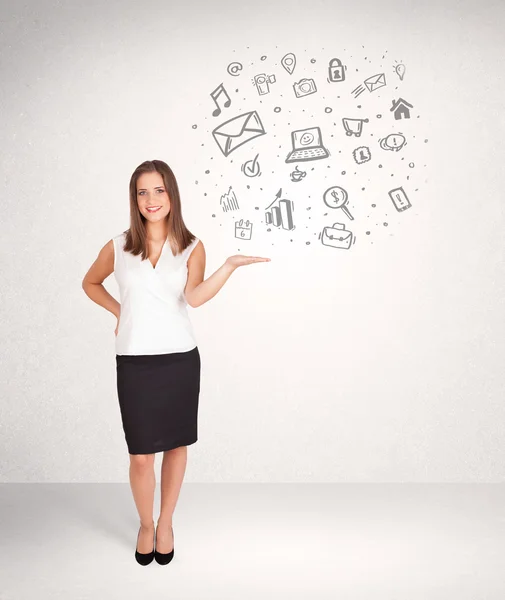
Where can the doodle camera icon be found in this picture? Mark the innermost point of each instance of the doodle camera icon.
(375, 82)
(237, 131)
(304, 87)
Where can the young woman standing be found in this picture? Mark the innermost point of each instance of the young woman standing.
(159, 266)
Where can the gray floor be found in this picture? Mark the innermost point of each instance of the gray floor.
(250, 541)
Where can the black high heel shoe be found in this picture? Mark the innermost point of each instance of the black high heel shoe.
(144, 559)
(164, 559)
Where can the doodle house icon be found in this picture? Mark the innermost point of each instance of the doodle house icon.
(401, 109)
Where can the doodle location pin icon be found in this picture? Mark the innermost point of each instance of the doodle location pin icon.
(336, 197)
(289, 62)
(400, 71)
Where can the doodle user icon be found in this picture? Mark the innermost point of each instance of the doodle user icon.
(337, 197)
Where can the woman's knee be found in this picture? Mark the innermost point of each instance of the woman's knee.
(142, 461)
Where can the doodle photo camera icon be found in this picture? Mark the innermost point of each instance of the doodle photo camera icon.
(304, 87)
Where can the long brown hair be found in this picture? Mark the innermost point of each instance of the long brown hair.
(136, 236)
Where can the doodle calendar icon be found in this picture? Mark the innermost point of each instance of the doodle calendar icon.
(243, 229)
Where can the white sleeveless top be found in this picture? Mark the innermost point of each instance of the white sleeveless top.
(154, 317)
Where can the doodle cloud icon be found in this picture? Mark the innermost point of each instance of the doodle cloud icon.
(237, 131)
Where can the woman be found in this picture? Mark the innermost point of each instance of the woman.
(159, 266)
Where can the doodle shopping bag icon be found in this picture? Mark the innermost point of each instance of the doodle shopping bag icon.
(237, 131)
(337, 236)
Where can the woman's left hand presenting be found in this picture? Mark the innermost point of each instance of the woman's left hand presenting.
(239, 260)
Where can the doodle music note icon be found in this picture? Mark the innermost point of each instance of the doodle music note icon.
(215, 96)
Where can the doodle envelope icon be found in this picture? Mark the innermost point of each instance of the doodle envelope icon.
(231, 134)
(375, 82)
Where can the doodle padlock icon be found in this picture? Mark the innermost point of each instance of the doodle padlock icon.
(336, 70)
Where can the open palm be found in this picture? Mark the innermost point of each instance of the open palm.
(239, 260)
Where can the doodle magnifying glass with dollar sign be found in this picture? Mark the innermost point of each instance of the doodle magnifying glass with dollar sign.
(336, 197)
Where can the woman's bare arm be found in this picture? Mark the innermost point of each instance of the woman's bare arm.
(92, 283)
(197, 290)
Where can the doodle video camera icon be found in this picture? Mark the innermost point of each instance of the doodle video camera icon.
(304, 87)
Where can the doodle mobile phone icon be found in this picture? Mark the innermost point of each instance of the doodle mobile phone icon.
(399, 198)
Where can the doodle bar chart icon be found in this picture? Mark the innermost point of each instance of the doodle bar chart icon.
(337, 197)
(243, 229)
(337, 236)
(353, 126)
(281, 215)
(229, 201)
(399, 198)
(237, 131)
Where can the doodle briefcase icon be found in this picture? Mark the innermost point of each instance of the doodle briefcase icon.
(337, 236)
(231, 134)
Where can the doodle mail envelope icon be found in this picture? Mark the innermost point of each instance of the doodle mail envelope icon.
(237, 131)
(375, 82)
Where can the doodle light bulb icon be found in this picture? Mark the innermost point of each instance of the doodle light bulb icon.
(400, 71)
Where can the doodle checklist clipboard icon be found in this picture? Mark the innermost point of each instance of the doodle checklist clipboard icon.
(399, 198)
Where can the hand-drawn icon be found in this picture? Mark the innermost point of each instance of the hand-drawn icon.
(399, 198)
(288, 61)
(400, 71)
(262, 82)
(353, 126)
(281, 215)
(251, 168)
(234, 68)
(362, 154)
(337, 236)
(336, 70)
(243, 230)
(307, 145)
(394, 141)
(215, 96)
(337, 197)
(304, 87)
(229, 201)
(297, 175)
(401, 109)
(237, 131)
(372, 83)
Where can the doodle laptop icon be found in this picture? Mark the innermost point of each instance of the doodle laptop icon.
(307, 145)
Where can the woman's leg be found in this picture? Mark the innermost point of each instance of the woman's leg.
(143, 484)
(172, 474)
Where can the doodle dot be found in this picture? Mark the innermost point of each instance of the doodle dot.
(263, 58)
(385, 224)
(328, 109)
(207, 172)
(379, 116)
(380, 166)
(359, 105)
(411, 165)
(374, 205)
(368, 233)
(213, 215)
(277, 109)
(425, 141)
(343, 172)
(312, 60)
(195, 126)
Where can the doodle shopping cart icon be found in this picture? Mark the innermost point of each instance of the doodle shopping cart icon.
(353, 126)
(307, 145)
(237, 131)
(337, 236)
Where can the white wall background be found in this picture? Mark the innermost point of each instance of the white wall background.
(382, 363)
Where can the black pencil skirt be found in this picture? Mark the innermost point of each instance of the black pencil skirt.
(158, 398)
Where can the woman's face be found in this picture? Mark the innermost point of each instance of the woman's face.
(151, 194)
